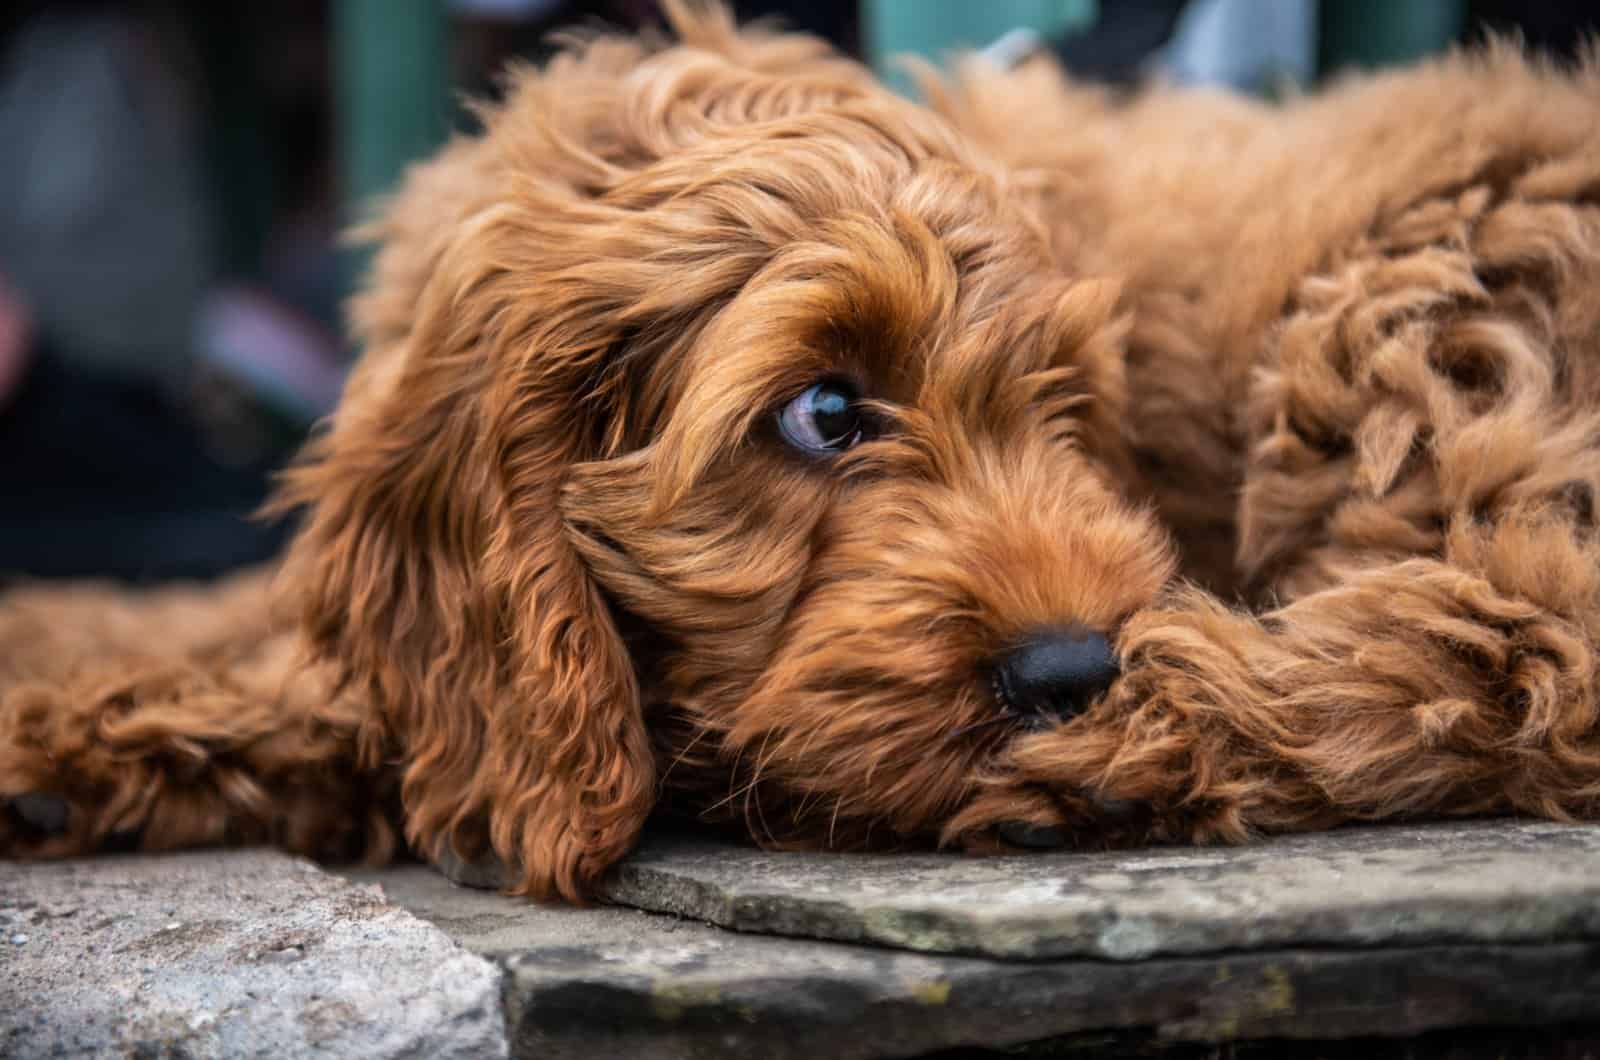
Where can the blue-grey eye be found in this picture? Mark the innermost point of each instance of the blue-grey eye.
(824, 418)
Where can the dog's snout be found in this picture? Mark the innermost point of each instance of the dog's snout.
(1055, 673)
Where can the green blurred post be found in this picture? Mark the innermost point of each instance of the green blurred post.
(1371, 33)
(935, 28)
(392, 71)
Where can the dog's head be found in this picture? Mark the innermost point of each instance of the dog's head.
(726, 431)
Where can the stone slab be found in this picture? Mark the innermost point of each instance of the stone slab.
(239, 954)
(251, 953)
(1502, 881)
(618, 983)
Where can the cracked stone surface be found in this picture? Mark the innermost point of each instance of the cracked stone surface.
(614, 983)
(1465, 882)
(238, 953)
(1376, 932)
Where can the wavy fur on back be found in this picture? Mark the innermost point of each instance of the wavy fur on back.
(1298, 405)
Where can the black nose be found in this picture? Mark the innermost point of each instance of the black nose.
(1055, 673)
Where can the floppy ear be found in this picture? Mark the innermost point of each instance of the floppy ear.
(433, 568)
(522, 278)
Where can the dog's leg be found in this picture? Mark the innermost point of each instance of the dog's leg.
(1418, 523)
(176, 718)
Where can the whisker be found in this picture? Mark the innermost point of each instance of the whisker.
(678, 758)
(742, 791)
(734, 788)
(761, 815)
(805, 804)
(762, 758)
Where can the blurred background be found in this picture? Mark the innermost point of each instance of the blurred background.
(175, 176)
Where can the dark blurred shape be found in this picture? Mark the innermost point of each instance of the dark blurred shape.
(1367, 34)
(151, 392)
(111, 477)
(103, 223)
(836, 21)
(1557, 27)
(1116, 49)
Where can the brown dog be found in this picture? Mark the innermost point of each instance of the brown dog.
(736, 437)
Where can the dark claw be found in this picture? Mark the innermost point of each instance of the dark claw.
(126, 842)
(1033, 836)
(1117, 811)
(41, 812)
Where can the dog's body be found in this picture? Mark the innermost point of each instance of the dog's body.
(736, 437)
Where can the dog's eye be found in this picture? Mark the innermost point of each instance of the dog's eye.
(825, 418)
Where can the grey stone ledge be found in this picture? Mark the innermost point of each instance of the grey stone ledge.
(1389, 932)
(237, 953)
(614, 983)
(1505, 881)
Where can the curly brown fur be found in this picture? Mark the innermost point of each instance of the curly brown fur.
(1297, 404)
